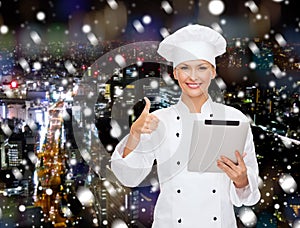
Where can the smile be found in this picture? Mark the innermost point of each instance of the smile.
(193, 85)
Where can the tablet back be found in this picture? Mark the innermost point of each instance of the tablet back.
(213, 138)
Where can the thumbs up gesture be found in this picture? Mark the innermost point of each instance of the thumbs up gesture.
(146, 123)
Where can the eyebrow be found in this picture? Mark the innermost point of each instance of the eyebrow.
(201, 64)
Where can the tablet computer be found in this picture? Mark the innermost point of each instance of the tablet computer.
(213, 138)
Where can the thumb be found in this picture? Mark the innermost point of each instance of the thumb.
(147, 106)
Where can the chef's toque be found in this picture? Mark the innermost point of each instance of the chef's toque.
(193, 42)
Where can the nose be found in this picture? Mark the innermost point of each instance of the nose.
(193, 75)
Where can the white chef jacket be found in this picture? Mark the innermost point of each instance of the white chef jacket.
(187, 199)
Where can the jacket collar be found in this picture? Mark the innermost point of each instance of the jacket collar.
(206, 109)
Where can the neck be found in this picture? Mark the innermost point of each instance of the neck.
(194, 104)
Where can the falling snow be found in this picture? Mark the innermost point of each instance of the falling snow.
(4, 29)
(217, 27)
(216, 7)
(92, 38)
(247, 217)
(280, 40)
(120, 60)
(53, 50)
(138, 26)
(253, 47)
(85, 196)
(41, 16)
(167, 7)
(252, 6)
(35, 37)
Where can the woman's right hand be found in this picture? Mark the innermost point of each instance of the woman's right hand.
(146, 123)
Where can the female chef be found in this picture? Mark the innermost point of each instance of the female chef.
(188, 199)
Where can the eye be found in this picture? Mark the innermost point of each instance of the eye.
(183, 68)
(202, 68)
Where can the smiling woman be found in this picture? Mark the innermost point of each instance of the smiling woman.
(166, 135)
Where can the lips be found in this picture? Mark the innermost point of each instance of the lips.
(193, 85)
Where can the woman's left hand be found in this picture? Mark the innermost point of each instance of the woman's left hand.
(236, 172)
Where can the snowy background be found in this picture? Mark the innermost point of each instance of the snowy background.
(55, 43)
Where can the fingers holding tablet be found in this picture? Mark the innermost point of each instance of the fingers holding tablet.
(237, 172)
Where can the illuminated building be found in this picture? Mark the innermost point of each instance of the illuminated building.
(11, 154)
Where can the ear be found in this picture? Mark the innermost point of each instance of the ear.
(213, 73)
(175, 74)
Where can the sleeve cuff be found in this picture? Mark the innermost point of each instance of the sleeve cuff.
(136, 159)
(248, 195)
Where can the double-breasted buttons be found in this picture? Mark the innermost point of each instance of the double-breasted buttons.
(178, 191)
(215, 218)
(177, 135)
(179, 220)
(178, 118)
(214, 191)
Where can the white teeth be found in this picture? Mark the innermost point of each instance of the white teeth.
(193, 85)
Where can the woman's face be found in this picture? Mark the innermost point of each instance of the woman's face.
(194, 77)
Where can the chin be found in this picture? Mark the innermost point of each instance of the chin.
(195, 95)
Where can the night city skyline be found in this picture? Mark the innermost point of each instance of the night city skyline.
(72, 77)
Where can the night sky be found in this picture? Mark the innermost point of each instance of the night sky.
(78, 30)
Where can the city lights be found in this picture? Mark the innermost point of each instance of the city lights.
(73, 75)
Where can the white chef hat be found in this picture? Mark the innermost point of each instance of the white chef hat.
(192, 42)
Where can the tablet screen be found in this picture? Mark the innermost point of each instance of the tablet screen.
(213, 138)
